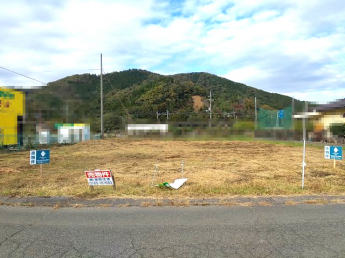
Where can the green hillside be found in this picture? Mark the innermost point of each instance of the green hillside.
(134, 94)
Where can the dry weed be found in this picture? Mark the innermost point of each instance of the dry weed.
(124, 205)
(145, 204)
(338, 201)
(228, 203)
(105, 205)
(290, 202)
(264, 203)
(204, 204)
(159, 203)
(185, 203)
(57, 206)
(253, 168)
(246, 204)
(317, 201)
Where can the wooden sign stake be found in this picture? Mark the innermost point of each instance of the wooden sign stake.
(112, 176)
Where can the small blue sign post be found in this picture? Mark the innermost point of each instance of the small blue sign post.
(334, 152)
(281, 114)
(39, 157)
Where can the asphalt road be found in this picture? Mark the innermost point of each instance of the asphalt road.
(277, 231)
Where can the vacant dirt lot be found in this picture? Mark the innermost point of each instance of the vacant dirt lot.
(213, 168)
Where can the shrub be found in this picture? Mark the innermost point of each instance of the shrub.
(338, 129)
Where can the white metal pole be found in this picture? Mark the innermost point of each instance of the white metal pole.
(303, 164)
(101, 99)
(304, 137)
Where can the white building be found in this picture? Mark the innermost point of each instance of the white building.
(71, 133)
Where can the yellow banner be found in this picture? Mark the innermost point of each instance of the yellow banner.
(12, 105)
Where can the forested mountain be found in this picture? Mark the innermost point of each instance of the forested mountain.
(138, 94)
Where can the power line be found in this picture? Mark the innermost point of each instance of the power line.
(57, 71)
(129, 117)
(22, 75)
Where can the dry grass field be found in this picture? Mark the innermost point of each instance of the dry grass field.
(213, 169)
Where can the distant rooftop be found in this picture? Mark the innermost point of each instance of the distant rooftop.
(339, 104)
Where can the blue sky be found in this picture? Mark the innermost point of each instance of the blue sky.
(290, 47)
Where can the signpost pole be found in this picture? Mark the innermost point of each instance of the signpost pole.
(334, 163)
(41, 166)
(112, 176)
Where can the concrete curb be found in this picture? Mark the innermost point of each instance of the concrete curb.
(146, 202)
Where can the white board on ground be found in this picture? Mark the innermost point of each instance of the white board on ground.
(178, 183)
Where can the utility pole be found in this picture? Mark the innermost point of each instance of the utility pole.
(157, 114)
(292, 113)
(102, 133)
(210, 99)
(67, 112)
(256, 116)
(167, 114)
(306, 120)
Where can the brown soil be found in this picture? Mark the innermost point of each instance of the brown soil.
(197, 103)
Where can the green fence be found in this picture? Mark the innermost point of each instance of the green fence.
(268, 119)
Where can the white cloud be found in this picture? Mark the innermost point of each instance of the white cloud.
(279, 46)
(248, 74)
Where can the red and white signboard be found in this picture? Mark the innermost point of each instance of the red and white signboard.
(99, 177)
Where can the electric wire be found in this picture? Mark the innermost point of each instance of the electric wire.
(129, 117)
(22, 75)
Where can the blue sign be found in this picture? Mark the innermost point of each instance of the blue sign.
(281, 114)
(39, 157)
(334, 152)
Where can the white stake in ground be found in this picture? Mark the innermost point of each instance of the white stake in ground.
(303, 164)
(182, 168)
(154, 174)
